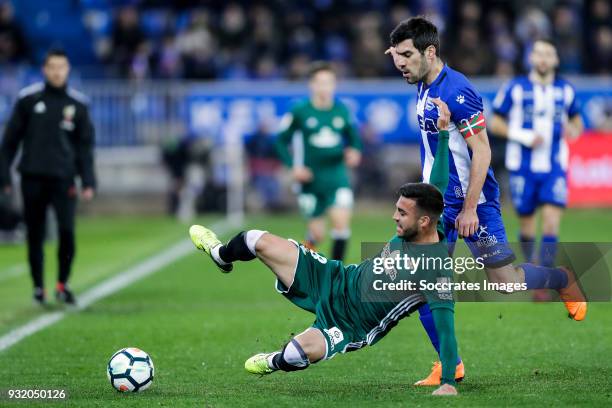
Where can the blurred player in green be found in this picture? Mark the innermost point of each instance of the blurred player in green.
(351, 306)
(324, 142)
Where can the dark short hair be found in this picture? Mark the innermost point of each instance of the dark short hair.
(421, 31)
(319, 66)
(55, 52)
(428, 198)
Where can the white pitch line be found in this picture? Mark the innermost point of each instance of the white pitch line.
(108, 287)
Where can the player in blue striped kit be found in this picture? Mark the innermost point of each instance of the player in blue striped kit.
(537, 113)
(471, 201)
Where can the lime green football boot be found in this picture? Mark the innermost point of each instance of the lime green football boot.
(258, 364)
(206, 240)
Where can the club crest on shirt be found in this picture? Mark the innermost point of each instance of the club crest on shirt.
(68, 121)
(40, 107)
(312, 122)
(69, 111)
(338, 122)
(387, 253)
(429, 105)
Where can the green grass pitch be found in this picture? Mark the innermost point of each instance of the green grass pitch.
(199, 326)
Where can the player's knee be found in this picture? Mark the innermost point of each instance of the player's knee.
(265, 243)
(313, 344)
(316, 233)
(550, 227)
(507, 275)
(314, 351)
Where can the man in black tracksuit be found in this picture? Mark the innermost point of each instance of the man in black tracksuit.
(51, 123)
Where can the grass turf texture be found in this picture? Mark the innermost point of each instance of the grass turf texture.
(199, 326)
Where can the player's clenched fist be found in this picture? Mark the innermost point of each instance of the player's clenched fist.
(302, 174)
(352, 157)
(443, 113)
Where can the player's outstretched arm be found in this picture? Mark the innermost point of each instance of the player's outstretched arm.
(439, 171)
(445, 326)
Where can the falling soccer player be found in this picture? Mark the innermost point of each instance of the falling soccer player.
(347, 318)
(471, 200)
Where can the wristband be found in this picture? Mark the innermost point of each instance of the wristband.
(522, 136)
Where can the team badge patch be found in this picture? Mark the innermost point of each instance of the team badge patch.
(473, 126)
(335, 336)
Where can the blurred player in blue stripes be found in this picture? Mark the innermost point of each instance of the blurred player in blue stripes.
(538, 113)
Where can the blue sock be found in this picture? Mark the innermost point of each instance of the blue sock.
(548, 250)
(430, 327)
(527, 246)
(543, 277)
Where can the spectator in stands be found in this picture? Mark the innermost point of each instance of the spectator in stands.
(198, 48)
(368, 45)
(602, 58)
(531, 25)
(238, 39)
(140, 64)
(167, 59)
(13, 47)
(127, 38)
(598, 42)
(265, 44)
(566, 23)
(470, 54)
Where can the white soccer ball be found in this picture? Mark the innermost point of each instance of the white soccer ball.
(130, 370)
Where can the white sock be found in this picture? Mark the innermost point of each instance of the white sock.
(215, 255)
(251, 237)
(341, 234)
(270, 358)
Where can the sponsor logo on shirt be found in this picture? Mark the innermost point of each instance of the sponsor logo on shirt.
(444, 283)
(326, 137)
(335, 336)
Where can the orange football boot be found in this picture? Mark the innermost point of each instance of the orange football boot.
(435, 377)
(573, 297)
